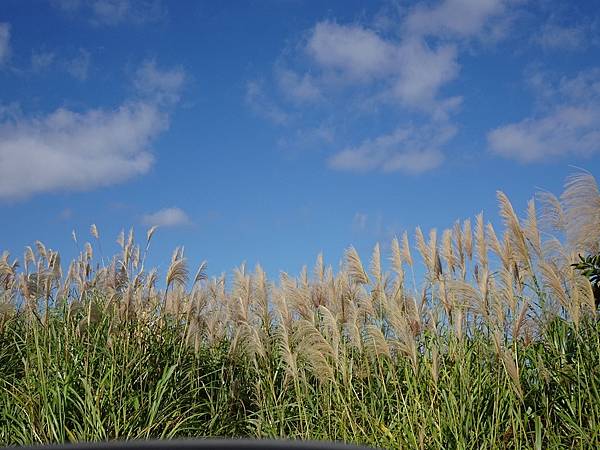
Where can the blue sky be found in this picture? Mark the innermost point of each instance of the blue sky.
(268, 131)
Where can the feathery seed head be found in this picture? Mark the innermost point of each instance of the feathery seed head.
(178, 271)
(406, 256)
(355, 268)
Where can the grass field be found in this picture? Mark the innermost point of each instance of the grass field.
(498, 346)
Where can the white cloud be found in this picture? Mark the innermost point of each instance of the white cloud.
(79, 66)
(262, 105)
(356, 51)
(4, 42)
(567, 130)
(76, 151)
(423, 71)
(413, 71)
(408, 149)
(162, 86)
(571, 125)
(167, 217)
(556, 37)
(461, 18)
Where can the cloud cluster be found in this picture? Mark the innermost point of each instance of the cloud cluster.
(66, 149)
(569, 125)
(406, 70)
(71, 150)
(411, 69)
(167, 217)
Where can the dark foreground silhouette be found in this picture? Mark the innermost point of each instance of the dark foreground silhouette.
(202, 444)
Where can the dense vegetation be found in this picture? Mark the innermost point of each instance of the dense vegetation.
(497, 347)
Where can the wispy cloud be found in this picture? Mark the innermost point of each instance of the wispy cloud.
(4, 42)
(569, 125)
(167, 217)
(263, 105)
(114, 12)
(453, 18)
(302, 139)
(408, 149)
(159, 85)
(77, 66)
(300, 89)
(557, 37)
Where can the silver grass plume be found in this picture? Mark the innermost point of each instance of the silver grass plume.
(424, 250)
(396, 260)
(355, 268)
(517, 237)
(447, 251)
(319, 270)
(552, 215)
(581, 203)
(531, 229)
(480, 241)
(468, 238)
(177, 274)
(406, 256)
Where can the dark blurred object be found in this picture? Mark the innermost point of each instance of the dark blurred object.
(200, 444)
(590, 267)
